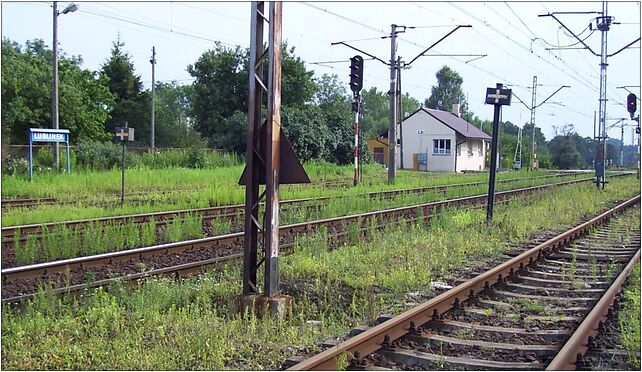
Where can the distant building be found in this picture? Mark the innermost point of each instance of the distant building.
(378, 147)
(435, 140)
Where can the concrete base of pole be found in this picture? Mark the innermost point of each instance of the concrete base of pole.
(277, 306)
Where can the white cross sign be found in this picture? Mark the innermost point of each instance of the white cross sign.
(124, 133)
(498, 96)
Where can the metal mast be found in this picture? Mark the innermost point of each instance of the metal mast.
(603, 25)
(517, 160)
(270, 159)
(54, 85)
(533, 162)
(152, 140)
(392, 130)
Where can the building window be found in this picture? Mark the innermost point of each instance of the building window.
(470, 148)
(480, 151)
(441, 147)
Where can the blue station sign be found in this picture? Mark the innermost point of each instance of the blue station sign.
(48, 135)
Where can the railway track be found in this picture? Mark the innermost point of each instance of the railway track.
(539, 310)
(192, 256)
(230, 212)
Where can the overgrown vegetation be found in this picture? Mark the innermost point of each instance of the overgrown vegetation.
(629, 316)
(61, 242)
(97, 193)
(188, 324)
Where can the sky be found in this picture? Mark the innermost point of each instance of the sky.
(511, 35)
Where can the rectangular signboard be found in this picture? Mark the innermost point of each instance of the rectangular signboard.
(48, 135)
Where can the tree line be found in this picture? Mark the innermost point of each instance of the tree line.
(212, 110)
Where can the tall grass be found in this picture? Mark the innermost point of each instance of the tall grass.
(60, 242)
(192, 188)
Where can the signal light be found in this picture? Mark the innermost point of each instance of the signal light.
(631, 104)
(356, 73)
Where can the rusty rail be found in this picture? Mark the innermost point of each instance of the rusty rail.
(371, 340)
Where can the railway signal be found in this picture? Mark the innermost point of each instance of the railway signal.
(356, 74)
(631, 104)
(356, 83)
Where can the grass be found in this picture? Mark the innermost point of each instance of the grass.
(191, 188)
(163, 324)
(629, 317)
(61, 242)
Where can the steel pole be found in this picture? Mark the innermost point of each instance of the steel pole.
(252, 200)
(152, 140)
(356, 143)
(273, 138)
(601, 173)
(392, 132)
(533, 104)
(493, 160)
(54, 85)
(122, 177)
(400, 112)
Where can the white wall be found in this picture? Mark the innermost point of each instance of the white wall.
(474, 161)
(433, 129)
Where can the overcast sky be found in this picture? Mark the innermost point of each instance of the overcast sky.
(182, 31)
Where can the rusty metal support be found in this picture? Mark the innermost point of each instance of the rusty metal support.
(273, 143)
(263, 151)
(254, 160)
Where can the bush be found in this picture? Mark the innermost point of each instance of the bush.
(16, 166)
(44, 157)
(196, 158)
(103, 156)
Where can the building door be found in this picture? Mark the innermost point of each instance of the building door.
(378, 155)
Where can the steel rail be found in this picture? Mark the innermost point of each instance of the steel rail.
(581, 339)
(222, 211)
(35, 270)
(372, 339)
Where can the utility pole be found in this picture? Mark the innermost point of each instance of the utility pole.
(54, 85)
(533, 163)
(54, 82)
(517, 160)
(400, 112)
(152, 140)
(603, 24)
(392, 130)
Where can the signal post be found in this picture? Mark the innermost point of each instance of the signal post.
(356, 83)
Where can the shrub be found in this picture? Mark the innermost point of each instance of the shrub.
(16, 166)
(196, 158)
(103, 155)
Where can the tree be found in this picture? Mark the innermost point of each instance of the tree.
(297, 83)
(336, 106)
(172, 107)
(306, 129)
(131, 102)
(26, 93)
(220, 88)
(564, 154)
(447, 92)
(375, 108)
